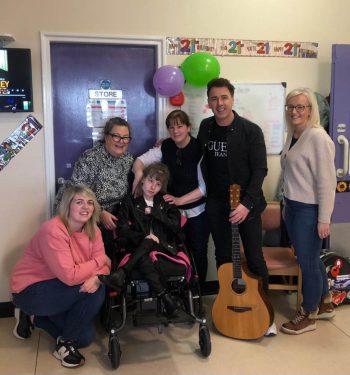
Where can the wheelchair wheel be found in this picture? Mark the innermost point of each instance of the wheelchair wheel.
(114, 352)
(204, 340)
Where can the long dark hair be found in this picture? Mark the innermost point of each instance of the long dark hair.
(177, 116)
(160, 172)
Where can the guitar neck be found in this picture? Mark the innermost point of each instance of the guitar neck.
(236, 252)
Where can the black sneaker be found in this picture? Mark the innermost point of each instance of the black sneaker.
(23, 327)
(68, 354)
(115, 280)
(170, 305)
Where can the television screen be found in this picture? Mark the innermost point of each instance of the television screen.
(15, 80)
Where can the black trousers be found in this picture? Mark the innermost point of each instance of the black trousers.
(110, 244)
(197, 237)
(250, 232)
(141, 262)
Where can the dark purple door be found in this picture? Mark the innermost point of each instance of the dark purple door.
(78, 67)
(340, 128)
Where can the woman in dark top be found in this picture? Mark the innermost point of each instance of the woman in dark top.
(147, 223)
(182, 154)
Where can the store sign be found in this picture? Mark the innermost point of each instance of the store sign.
(105, 94)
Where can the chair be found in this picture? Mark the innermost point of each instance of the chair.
(280, 260)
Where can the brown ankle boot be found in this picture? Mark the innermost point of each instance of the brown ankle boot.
(303, 322)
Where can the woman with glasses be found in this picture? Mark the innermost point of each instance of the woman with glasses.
(105, 169)
(309, 184)
(181, 153)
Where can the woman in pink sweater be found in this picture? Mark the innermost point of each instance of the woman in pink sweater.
(56, 279)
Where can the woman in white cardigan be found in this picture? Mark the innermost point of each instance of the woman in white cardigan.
(309, 184)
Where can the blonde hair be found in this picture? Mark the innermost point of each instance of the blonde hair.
(63, 210)
(314, 118)
(160, 172)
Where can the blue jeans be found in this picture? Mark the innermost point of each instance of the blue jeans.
(61, 310)
(197, 237)
(301, 221)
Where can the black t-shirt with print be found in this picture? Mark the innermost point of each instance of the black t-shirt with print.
(217, 162)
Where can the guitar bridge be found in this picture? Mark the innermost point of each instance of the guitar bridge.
(239, 309)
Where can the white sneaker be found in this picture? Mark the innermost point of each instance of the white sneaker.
(24, 326)
(272, 331)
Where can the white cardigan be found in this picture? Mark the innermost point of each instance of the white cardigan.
(308, 171)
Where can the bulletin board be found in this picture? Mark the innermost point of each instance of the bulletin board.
(261, 103)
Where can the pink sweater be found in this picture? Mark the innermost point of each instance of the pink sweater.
(53, 253)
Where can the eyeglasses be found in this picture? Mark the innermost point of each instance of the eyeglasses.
(299, 108)
(119, 138)
(178, 159)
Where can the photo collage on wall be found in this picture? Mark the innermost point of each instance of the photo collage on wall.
(20, 137)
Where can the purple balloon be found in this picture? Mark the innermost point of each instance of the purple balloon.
(168, 80)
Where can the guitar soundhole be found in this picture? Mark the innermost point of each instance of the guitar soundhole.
(238, 286)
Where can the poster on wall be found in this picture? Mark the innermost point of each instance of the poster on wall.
(18, 139)
(99, 111)
(103, 104)
(264, 105)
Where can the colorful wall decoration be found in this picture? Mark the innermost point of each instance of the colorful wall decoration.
(19, 138)
(239, 47)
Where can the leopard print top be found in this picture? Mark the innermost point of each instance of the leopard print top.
(106, 175)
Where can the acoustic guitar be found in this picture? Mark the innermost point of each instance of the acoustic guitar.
(241, 309)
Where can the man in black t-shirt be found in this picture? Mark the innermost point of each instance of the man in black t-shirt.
(234, 153)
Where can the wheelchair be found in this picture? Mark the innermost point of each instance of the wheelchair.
(147, 309)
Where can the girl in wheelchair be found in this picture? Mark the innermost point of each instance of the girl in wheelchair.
(147, 223)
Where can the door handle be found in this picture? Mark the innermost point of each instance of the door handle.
(61, 181)
(341, 172)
